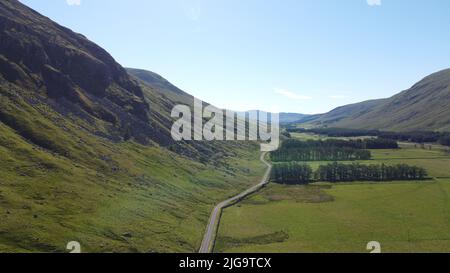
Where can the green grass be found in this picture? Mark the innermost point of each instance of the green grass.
(163, 201)
(109, 196)
(436, 162)
(311, 136)
(402, 216)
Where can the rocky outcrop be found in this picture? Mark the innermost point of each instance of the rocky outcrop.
(39, 55)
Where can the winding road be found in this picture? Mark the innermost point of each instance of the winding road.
(213, 225)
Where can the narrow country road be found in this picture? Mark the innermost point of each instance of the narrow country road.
(213, 225)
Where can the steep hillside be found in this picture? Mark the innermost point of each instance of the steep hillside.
(61, 66)
(425, 106)
(86, 152)
(348, 111)
(49, 64)
(161, 86)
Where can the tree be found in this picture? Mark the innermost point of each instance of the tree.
(337, 172)
(291, 173)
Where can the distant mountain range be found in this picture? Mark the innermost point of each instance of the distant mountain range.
(423, 107)
(292, 117)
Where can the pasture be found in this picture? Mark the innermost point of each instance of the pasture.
(411, 216)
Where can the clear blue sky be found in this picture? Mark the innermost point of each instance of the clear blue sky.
(305, 56)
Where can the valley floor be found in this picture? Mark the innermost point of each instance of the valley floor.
(402, 216)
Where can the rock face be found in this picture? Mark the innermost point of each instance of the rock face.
(40, 56)
(53, 76)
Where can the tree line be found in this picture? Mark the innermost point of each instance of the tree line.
(319, 154)
(293, 173)
(329, 149)
(413, 136)
(335, 132)
(369, 143)
(445, 140)
(337, 172)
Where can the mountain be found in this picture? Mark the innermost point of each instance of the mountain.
(52, 65)
(64, 67)
(425, 106)
(292, 117)
(86, 151)
(161, 85)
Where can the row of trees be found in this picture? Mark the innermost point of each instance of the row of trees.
(335, 132)
(414, 136)
(329, 149)
(299, 173)
(337, 172)
(370, 143)
(445, 140)
(319, 154)
(379, 143)
(419, 137)
(291, 173)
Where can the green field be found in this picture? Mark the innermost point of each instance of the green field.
(311, 136)
(402, 216)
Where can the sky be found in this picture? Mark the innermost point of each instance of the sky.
(303, 56)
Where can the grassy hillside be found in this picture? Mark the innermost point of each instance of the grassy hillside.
(425, 106)
(161, 86)
(110, 196)
(59, 182)
(86, 153)
(293, 117)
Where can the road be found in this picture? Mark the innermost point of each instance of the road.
(213, 225)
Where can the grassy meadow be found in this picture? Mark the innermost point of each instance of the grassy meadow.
(402, 216)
